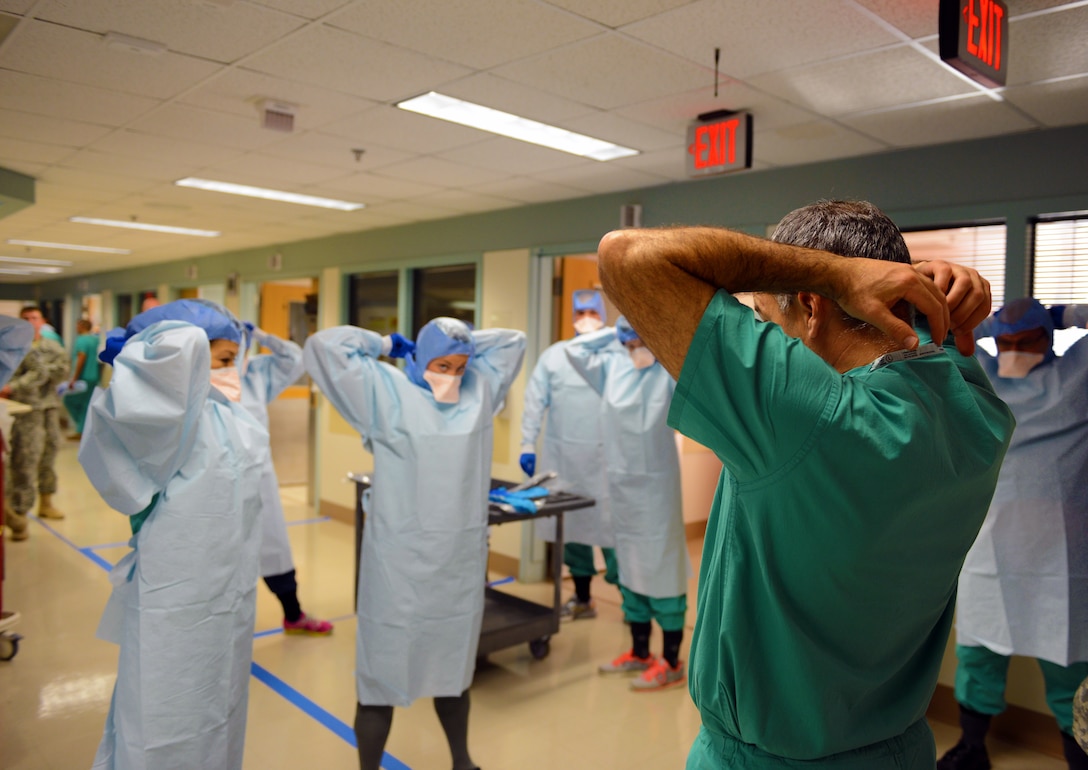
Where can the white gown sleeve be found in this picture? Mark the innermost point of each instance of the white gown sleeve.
(16, 337)
(343, 362)
(589, 358)
(499, 353)
(276, 371)
(141, 429)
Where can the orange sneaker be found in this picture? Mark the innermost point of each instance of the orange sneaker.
(627, 663)
(659, 676)
(307, 625)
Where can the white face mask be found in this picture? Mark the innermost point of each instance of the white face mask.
(642, 358)
(1016, 364)
(446, 387)
(228, 382)
(588, 324)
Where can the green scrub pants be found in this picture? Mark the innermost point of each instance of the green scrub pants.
(913, 750)
(579, 560)
(980, 683)
(668, 612)
(77, 404)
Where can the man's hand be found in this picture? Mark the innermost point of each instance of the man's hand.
(868, 289)
(968, 296)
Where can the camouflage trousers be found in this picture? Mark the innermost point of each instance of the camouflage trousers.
(35, 437)
(1080, 715)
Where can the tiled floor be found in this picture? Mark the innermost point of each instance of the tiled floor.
(553, 714)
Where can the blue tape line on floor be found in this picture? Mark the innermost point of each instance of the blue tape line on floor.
(90, 554)
(501, 581)
(263, 675)
(100, 546)
(307, 706)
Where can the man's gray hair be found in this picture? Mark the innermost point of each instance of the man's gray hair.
(846, 228)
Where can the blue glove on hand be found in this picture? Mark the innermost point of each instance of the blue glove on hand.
(249, 326)
(528, 463)
(402, 346)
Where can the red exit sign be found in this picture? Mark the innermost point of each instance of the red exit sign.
(974, 38)
(719, 142)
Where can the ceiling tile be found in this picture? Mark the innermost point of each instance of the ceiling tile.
(12, 150)
(43, 96)
(411, 211)
(812, 142)
(20, 163)
(136, 144)
(333, 58)
(220, 33)
(438, 172)
(334, 152)
(516, 98)
(1048, 46)
(58, 52)
(510, 156)
(622, 130)
(616, 13)
(821, 88)
(406, 131)
(476, 33)
(1061, 103)
(465, 202)
(266, 171)
(914, 19)
(674, 113)
(669, 164)
(17, 6)
(307, 9)
(142, 167)
(49, 130)
(212, 128)
(239, 91)
(762, 37)
(75, 178)
(596, 177)
(371, 186)
(971, 118)
(587, 72)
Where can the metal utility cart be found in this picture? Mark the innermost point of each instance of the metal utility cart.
(508, 620)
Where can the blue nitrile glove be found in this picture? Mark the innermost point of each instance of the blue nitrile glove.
(1057, 316)
(519, 504)
(249, 326)
(528, 463)
(402, 346)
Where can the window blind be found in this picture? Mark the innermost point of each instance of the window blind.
(981, 247)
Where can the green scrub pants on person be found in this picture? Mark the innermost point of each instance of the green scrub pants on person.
(980, 683)
(579, 560)
(669, 612)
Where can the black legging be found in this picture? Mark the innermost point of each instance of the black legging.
(372, 725)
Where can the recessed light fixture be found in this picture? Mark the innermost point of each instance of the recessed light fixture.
(30, 269)
(32, 261)
(68, 246)
(271, 195)
(514, 126)
(145, 226)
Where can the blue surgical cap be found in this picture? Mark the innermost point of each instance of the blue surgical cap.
(624, 331)
(590, 299)
(441, 336)
(1021, 315)
(215, 320)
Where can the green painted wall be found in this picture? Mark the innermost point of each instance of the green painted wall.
(1011, 178)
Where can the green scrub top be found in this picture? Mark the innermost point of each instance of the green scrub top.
(88, 344)
(842, 516)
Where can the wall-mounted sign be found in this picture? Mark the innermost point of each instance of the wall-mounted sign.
(974, 38)
(719, 142)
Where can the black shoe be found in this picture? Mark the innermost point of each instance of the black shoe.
(965, 756)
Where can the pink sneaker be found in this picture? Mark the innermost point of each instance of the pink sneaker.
(307, 625)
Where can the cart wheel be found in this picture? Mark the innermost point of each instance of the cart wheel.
(9, 646)
(539, 648)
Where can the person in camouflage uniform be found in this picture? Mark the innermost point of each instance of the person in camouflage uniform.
(35, 435)
(1080, 715)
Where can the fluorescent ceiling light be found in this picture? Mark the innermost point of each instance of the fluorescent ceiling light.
(497, 122)
(271, 195)
(143, 226)
(32, 261)
(28, 269)
(68, 246)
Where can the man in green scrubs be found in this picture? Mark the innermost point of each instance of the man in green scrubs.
(859, 461)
